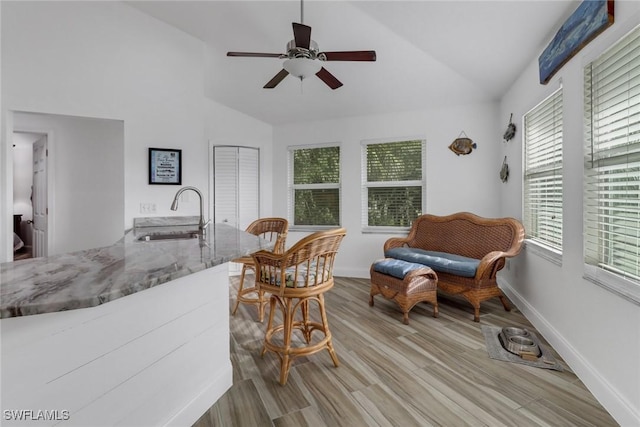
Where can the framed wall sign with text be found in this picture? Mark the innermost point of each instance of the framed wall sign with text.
(165, 166)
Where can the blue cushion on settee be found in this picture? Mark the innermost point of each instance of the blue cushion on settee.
(438, 261)
(395, 267)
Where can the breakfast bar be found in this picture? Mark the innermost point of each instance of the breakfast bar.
(136, 333)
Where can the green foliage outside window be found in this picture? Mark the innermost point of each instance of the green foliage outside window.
(394, 183)
(316, 165)
(317, 207)
(394, 161)
(396, 207)
(316, 178)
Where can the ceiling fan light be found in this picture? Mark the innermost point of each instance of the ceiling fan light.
(302, 67)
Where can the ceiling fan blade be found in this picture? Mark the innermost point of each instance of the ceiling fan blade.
(256, 54)
(302, 35)
(355, 55)
(328, 78)
(276, 79)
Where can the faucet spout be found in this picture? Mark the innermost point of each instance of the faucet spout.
(174, 206)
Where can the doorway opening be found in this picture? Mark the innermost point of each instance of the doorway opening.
(83, 198)
(30, 204)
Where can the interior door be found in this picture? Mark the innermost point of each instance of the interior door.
(248, 186)
(236, 185)
(39, 197)
(225, 185)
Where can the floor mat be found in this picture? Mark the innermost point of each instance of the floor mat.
(496, 351)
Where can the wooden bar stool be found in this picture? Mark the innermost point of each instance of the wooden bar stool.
(296, 279)
(272, 229)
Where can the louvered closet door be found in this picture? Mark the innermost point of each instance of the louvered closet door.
(248, 186)
(236, 185)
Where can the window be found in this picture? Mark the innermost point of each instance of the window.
(612, 162)
(543, 172)
(393, 179)
(314, 186)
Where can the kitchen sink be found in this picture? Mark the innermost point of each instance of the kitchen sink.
(168, 236)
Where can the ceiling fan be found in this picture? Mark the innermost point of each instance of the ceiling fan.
(303, 58)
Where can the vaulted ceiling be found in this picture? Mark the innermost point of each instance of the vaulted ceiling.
(430, 54)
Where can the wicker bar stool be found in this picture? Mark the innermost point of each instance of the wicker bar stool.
(272, 229)
(295, 280)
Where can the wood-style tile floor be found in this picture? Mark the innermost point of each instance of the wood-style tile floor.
(434, 371)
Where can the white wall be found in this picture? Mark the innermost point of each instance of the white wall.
(86, 177)
(596, 331)
(108, 60)
(454, 183)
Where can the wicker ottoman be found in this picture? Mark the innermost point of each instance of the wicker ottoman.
(404, 282)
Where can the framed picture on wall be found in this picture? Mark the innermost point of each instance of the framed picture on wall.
(165, 166)
(590, 19)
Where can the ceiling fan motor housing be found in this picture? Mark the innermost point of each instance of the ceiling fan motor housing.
(294, 51)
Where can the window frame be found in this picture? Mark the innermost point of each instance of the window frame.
(365, 185)
(539, 245)
(328, 186)
(596, 270)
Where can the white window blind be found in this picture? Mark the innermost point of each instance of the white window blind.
(612, 160)
(543, 172)
(314, 186)
(393, 182)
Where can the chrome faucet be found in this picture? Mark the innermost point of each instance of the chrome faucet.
(174, 206)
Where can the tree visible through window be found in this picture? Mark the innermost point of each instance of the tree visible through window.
(393, 181)
(315, 185)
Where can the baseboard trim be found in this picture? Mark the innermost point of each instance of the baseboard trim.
(619, 408)
(356, 273)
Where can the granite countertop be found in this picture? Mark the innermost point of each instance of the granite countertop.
(95, 276)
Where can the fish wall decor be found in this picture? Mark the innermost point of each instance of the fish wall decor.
(462, 145)
(504, 171)
(511, 130)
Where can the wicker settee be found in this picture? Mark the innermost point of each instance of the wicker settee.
(465, 250)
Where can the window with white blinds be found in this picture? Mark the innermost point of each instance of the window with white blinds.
(314, 186)
(543, 172)
(612, 161)
(393, 182)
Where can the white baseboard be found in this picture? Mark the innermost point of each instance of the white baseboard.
(619, 408)
(357, 273)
